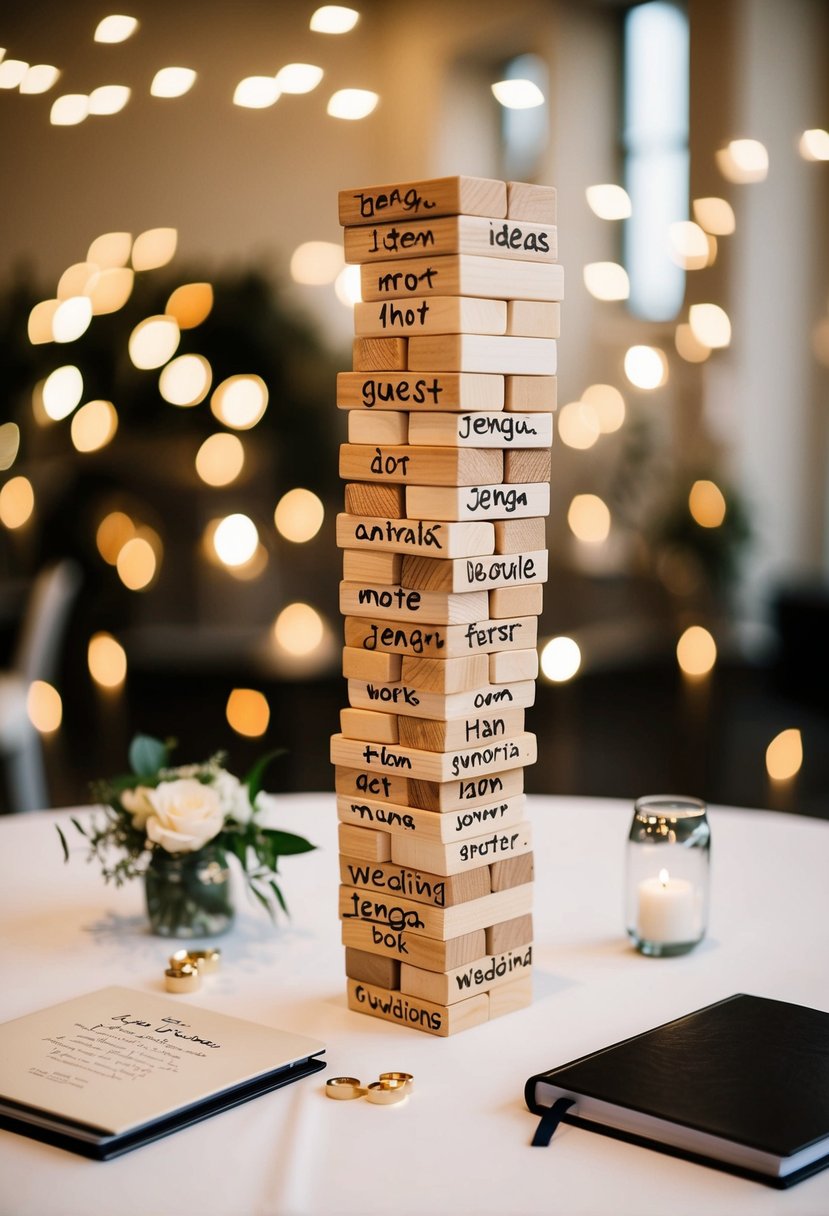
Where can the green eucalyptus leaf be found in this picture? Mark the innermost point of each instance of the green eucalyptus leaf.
(64, 845)
(285, 843)
(279, 896)
(256, 775)
(147, 755)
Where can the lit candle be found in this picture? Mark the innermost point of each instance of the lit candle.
(666, 910)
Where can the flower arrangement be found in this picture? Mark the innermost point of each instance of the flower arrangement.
(176, 827)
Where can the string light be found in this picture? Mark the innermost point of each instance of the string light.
(334, 19)
(560, 659)
(517, 94)
(607, 280)
(248, 712)
(646, 367)
(17, 502)
(298, 77)
(172, 82)
(609, 202)
(256, 92)
(115, 28)
(44, 707)
(106, 660)
(352, 104)
(299, 629)
(299, 515)
(784, 755)
(696, 651)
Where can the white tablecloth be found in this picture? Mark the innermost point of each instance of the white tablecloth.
(459, 1144)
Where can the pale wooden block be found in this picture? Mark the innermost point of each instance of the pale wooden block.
(445, 988)
(434, 889)
(369, 724)
(379, 354)
(462, 275)
(441, 641)
(435, 736)
(400, 604)
(457, 856)
(481, 430)
(427, 952)
(386, 426)
(439, 391)
(529, 393)
(480, 353)
(376, 500)
(477, 502)
(437, 315)
(511, 665)
(358, 783)
(438, 1020)
(473, 538)
(478, 235)
(512, 871)
(422, 466)
(516, 601)
(365, 665)
(468, 573)
(409, 702)
(445, 675)
(527, 465)
(527, 201)
(520, 535)
(418, 824)
(459, 195)
(367, 844)
(372, 968)
(371, 566)
(441, 767)
(509, 998)
(395, 912)
(507, 934)
(533, 318)
(445, 796)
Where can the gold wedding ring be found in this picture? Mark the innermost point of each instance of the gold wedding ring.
(185, 978)
(401, 1078)
(385, 1093)
(343, 1088)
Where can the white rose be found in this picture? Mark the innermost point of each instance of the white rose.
(186, 815)
(232, 795)
(137, 803)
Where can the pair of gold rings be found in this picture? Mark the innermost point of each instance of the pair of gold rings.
(391, 1087)
(187, 967)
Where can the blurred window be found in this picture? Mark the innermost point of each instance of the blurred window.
(524, 132)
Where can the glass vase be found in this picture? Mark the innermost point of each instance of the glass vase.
(188, 894)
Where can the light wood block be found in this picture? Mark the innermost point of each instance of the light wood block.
(445, 796)
(477, 502)
(394, 912)
(439, 391)
(366, 844)
(481, 430)
(533, 319)
(438, 315)
(402, 604)
(509, 998)
(528, 393)
(427, 952)
(527, 201)
(435, 736)
(479, 353)
(434, 889)
(368, 724)
(438, 1020)
(459, 855)
(444, 828)
(410, 702)
(438, 196)
(508, 934)
(441, 641)
(469, 573)
(512, 871)
(482, 236)
(372, 566)
(428, 466)
(516, 601)
(520, 535)
(379, 354)
(462, 275)
(372, 968)
(375, 500)
(365, 665)
(445, 988)
(385, 427)
(474, 762)
(527, 465)
(512, 665)
(473, 538)
(444, 675)
(357, 783)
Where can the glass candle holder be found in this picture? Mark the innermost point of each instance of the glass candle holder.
(666, 886)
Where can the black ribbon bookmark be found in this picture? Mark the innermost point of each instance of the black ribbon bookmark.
(550, 1121)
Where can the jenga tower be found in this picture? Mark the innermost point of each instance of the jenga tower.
(447, 468)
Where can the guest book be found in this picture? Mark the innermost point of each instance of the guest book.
(742, 1085)
(107, 1072)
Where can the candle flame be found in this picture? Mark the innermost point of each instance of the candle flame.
(664, 878)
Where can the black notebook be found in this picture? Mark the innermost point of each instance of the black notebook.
(116, 1069)
(742, 1085)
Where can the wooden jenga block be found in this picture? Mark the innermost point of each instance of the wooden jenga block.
(471, 538)
(482, 430)
(508, 998)
(402, 604)
(438, 315)
(372, 566)
(386, 427)
(429, 826)
(446, 796)
(440, 196)
(365, 665)
(435, 736)
(441, 641)
(479, 353)
(516, 601)
(357, 783)
(468, 573)
(367, 844)
(445, 988)
(478, 235)
(379, 354)
(445, 675)
(375, 500)
(458, 855)
(510, 665)
(526, 201)
(462, 275)
(529, 393)
(430, 466)
(518, 535)
(439, 1020)
(508, 934)
(395, 912)
(434, 889)
(478, 762)
(369, 724)
(527, 465)
(512, 871)
(533, 318)
(465, 391)
(477, 502)
(372, 968)
(411, 702)
(427, 952)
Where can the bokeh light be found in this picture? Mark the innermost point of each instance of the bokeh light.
(607, 280)
(110, 289)
(172, 82)
(138, 560)
(115, 28)
(235, 539)
(608, 404)
(9, 444)
(299, 515)
(517, 94)
(688, 245)
(94, 426)
(608, 201)
(39, 78)
(190, 304)
(153, 248)
(646, 367)
(74, 279)
(256, 92)
(62, 392)
(560, 659)
(707, 505)
(186, 381)
(316, 262)
(153, 341)
(108, 98)
(578, 425)
(334, 19)
(112, 533)
(715, 215)
(299, 629)
(12, 73)
(813, 144)
(298, 77)
(588, 517)
(348, 287)
(248, 712)
(39, 327)
(352, 104)
(240, 401)
(220, 459)
(68, 110)
(696, 651)
(110, 249)
(71, 318)
(44, 707)
(688, 346)
(743, 161)
(710, 325)
(784, 755)
(106, 660)
(17, 502)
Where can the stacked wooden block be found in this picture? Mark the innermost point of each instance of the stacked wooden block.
(447, 468)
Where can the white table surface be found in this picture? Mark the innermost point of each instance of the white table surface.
(460, 1143)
